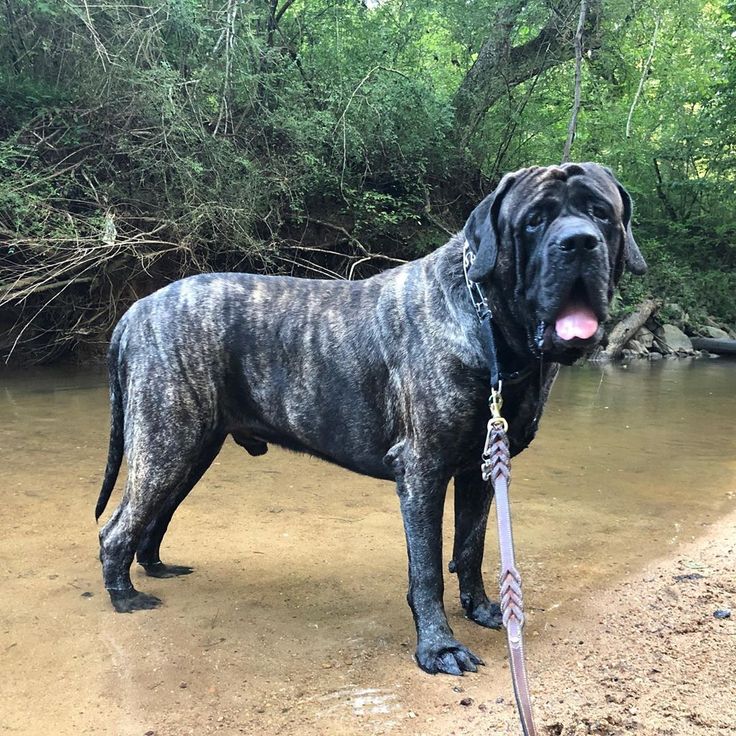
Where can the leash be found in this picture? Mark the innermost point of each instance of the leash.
(496, 467)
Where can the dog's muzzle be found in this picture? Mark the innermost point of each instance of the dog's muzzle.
(575, 303)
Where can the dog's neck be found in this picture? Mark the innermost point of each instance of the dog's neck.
(515, 349)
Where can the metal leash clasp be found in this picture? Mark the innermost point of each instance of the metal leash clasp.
(495, 423)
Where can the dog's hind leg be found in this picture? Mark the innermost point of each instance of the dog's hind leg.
(148, 553)
(160, 447)
(473, 498)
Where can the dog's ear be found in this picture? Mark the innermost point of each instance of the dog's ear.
(481, 230)
(633, 258)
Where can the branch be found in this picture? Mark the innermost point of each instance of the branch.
(628, 327)
(662, 194)
(287, 4)
(342, 119)
(644, 75)
(224, 115)
(351, 238)
(578, 82)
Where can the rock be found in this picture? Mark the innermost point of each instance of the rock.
(676, 340)
(645, 338)
(722, 613)
(675, 314)
(655, 356)
(711, 322)
(466, 702)
(689, 576)
(635, 347)
(715, 332)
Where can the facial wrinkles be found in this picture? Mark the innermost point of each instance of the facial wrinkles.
(529, 247)
(590, 190)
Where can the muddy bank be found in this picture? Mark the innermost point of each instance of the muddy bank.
(294, 621)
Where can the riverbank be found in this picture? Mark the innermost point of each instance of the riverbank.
(660, 661)
(646, 656)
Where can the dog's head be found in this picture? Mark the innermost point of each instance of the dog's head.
(562, 236)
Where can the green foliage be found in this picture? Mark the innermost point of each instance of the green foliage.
(142, 142)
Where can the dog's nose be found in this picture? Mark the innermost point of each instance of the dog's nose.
(579, 241)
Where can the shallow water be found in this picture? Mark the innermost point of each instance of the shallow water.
(295, 621)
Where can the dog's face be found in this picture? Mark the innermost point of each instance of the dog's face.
(562, 236)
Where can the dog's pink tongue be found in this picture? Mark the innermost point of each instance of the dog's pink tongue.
(576, 320)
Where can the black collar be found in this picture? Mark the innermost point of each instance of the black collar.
(501, 361)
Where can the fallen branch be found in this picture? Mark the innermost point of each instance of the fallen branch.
(628, 327)
(713, 345)
(644, 74)
(10, 295)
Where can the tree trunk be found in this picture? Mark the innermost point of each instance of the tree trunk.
(712, 345)
(500, 66)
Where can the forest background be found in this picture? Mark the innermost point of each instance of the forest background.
(144, 140)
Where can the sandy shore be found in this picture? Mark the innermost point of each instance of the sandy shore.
(648, 656)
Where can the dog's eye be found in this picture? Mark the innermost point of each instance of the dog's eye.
(600, 213)
(534, 221)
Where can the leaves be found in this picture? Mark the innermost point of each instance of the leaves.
(219, 135)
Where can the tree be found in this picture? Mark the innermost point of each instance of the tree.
(501, 65)
(139, 143)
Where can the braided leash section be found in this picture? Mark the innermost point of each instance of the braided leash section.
(497, 468)
(512, 603)
(499, 454)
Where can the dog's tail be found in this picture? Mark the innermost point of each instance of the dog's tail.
(115, 449)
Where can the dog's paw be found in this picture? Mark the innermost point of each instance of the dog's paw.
(447, 656)
(127, 601)
(485, 614)
(160, 570)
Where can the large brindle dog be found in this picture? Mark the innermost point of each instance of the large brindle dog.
(386, 377)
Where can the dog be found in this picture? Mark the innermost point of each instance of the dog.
(386, 376)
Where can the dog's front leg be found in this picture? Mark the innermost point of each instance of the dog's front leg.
(473, 498)
(422, 495)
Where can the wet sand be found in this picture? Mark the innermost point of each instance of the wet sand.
(294, 621)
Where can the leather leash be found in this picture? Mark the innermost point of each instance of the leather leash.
(496, 467)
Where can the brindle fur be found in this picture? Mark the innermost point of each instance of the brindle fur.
(385, 376)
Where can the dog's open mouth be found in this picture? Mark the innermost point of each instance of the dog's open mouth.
(576, 318)
(576, 325)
